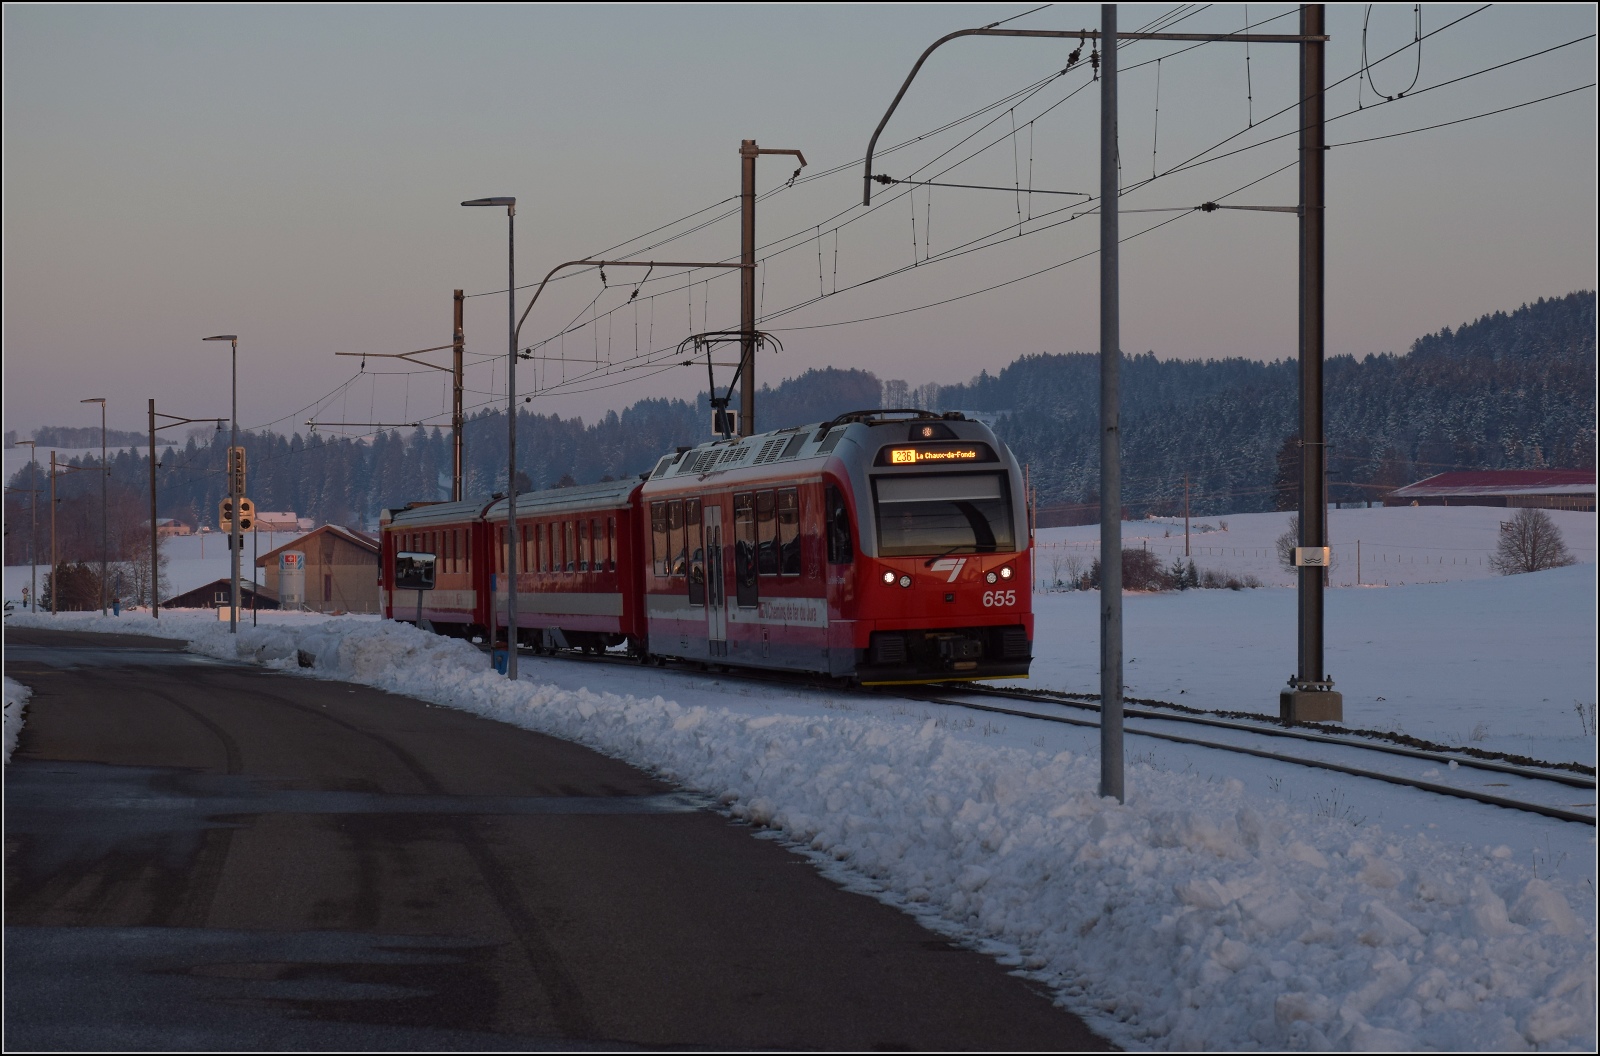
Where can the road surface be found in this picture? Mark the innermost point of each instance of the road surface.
(202, 855)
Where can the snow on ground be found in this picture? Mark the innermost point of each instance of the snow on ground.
(1505, 663)
(1400, 545)
(16, 699)
(1230, 904)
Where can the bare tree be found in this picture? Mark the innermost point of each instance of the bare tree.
(1529, 542)
(1287, 542)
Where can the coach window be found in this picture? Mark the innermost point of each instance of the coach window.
(525, 551)
(789, 531)
(658, 538)
(501, 567)
(583, 546)
(555, 546)
(767, 533)
(675, 537)
(840, 551)
(744, 547)
(571, 554)
(697, 553)
(611, 544)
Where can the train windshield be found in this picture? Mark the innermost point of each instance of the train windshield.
(943, 514)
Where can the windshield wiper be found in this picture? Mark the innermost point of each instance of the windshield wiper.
(939, 557)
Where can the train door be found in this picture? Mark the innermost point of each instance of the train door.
(716, 584)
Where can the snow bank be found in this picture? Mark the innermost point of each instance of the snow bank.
(16, 699)
(1196, 916)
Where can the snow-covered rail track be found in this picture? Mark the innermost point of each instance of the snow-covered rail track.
(1551, 790)
(1324, 751)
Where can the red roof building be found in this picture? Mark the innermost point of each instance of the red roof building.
(1549, 489)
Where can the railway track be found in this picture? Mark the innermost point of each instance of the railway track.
(1144, 722)
(1552, 790)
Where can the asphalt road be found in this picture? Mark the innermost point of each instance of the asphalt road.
(203, 855)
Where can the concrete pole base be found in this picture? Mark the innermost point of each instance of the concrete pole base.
(1310, 705)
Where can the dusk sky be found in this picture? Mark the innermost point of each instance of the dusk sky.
(292, 174)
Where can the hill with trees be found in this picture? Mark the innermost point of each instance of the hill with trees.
(1510, 390)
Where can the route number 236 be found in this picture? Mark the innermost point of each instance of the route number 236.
(999, 599)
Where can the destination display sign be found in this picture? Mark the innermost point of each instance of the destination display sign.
(935, 454)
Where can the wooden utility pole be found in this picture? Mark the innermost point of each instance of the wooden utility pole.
(457, 350)
(748, 152)
(55, 577)
(155, 539)
(1186, 515)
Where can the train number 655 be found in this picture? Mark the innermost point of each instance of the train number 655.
(999, 599)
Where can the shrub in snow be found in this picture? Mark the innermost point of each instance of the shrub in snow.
(1141, 570)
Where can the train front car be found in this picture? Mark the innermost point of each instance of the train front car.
(881, 547)
(451, 534)
(942, 587)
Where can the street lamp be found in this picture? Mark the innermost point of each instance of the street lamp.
(235, 541)
(511, 408)
(105, 535)
(33, 536)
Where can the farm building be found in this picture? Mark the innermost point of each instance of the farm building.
(215, 595)
(1550, 489)
(341, 569)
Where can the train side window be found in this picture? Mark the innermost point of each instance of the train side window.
(695, 546)
(572, 547)
(525, 550)
(658, 537)
(840, 550)
(767, 532)
(611, 544)
(466, 550)
(501, 567)
(789, 531)
(555, 546)
(744, 547)
(675, 536)
(583, 546)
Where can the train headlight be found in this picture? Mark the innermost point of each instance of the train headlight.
(905, 581)
(991, 577)
(888, 577)
(1005, 573)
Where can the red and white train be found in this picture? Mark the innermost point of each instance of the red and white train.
(883, 546)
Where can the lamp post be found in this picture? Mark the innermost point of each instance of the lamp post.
(105, 535)
(33, 531)
(235, 541)
(511, 413)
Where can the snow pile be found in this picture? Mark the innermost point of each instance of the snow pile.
(1199, 915)
(16, 699)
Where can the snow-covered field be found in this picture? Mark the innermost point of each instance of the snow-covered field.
(1399, 546)
(192, 561)
(1230, 904)
(1505, 664)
